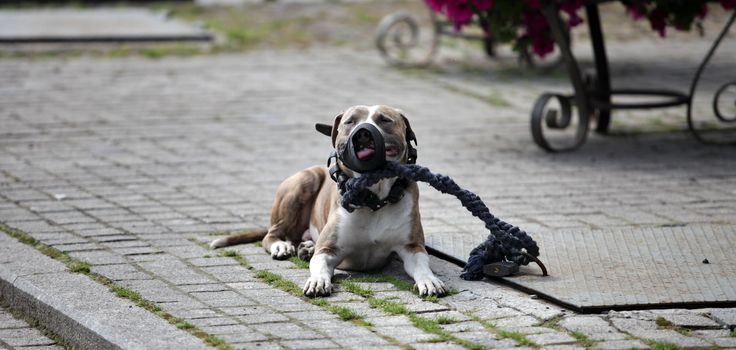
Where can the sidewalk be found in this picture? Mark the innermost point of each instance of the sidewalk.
(132, 165)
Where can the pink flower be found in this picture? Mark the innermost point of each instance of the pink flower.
(728, 4)
(459, 12)
(657, 21)
(534, 4)
(634, 12)
(574, 20)
(483, 5)
(571, 6)
(535, 23)
(543, 46)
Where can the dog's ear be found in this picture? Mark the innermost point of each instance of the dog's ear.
(324, 129)
(409, 132)
(335, 126)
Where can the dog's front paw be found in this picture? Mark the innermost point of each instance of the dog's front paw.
(318, 286)
(282, 250)
(305, 250)
(430, 285)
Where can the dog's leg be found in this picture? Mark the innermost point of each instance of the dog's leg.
(321, 268)
(291, 212)
(275, 245)
(416, 264)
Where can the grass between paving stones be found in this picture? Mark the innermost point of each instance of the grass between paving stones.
(516, 336)
(583, 339)
(662, 322)
(661, 345)
(346, 314)
(276, 281)
(401, 285)
(299, 262)
(83, 267)
(666, 324)
(733, 334)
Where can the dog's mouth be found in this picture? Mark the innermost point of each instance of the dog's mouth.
(365, 147)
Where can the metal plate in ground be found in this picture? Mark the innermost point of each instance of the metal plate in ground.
(593, 271)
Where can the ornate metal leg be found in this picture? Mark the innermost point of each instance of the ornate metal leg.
(601, 84)
(399, 33)
(721, 98)
(542, 115)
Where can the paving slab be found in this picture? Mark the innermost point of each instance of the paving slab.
(94, 25)
(81, 311)
(598, 270)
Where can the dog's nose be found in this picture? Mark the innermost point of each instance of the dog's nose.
(365, 150)
(364, 138)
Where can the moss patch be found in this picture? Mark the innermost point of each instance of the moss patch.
(355, 288)
(516, 336)
(388, 306)
(583, 339)
(79, 267)
(661, 345)
(662, 322)
(299, 263)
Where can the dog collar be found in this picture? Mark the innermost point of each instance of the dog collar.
(366, 198)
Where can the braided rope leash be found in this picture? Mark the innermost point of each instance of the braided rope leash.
(505, 243)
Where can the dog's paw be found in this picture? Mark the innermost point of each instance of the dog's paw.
(318, 286)
(305, 250)
(282, 250)
(430, 285)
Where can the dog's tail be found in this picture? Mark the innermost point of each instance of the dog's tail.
(240, 238)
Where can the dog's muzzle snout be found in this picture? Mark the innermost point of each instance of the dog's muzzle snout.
(365, 150)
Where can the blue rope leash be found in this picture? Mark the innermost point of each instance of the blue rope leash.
(504, 243)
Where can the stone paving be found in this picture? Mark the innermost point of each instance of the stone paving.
(18, 334)
(132, 164)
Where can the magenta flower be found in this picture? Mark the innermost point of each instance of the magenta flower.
(483, 5)
(634, 12)
(534, 4)
(459, 12)
(658, 23)
(543, 46)
(522, 21)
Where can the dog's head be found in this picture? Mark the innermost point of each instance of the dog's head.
(392, 124)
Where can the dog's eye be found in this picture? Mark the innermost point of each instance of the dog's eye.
(384, 119)
(349, 122)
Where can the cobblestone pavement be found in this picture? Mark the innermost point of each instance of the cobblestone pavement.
(18, 334)
(131, 164)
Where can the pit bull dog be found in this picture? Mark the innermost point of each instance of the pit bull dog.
(307, 210)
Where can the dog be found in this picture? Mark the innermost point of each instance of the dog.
(307, 210)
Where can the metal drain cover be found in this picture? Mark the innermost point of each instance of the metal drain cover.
(593, 271)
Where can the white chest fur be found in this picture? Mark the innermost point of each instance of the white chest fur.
(368, 237)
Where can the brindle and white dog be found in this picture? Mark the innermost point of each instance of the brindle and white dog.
(307, 209)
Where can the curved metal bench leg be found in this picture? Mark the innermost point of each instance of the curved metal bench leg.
(720, 115)
(399, 33)
(542, 116)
